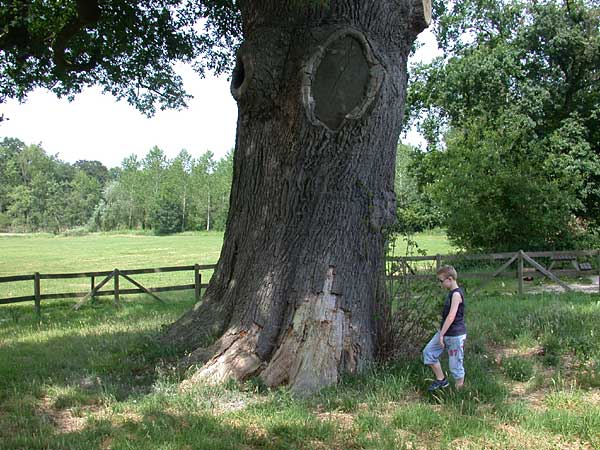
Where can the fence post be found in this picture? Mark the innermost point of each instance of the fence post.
(520, 272)
(438, 262)
(37, 291)
(405, 279)
(197, 282)
(92, 285)
(116, 276)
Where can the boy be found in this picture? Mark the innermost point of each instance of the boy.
(451, 336)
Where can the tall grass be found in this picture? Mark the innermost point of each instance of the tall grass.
(97, 378)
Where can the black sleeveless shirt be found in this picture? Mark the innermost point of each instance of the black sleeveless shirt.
(457, 327)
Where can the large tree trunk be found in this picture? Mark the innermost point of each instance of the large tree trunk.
(320, 88)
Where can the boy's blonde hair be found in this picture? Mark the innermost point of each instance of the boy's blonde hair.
(447, 271)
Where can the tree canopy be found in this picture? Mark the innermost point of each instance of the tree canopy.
(510, 112)
(131, 49)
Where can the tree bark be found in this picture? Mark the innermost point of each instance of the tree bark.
(320, 88)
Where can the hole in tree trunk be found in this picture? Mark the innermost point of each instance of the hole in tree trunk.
(341, 79)
(238, 77)
(340, 82)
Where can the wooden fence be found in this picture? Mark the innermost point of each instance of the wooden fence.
(114, 275)
(407, 267)
(401, 267)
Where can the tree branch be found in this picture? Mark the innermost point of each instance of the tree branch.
(88, 13)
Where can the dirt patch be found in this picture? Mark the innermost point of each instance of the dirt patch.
(589, 288)
(522, 390)
(343, 420)
(592, 397)
(501, 353)
(64, 420)
(536, 442)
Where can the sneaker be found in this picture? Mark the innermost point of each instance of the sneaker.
(438, 384)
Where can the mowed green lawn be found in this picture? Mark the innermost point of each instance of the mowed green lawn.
(45, 253)
(26, 254)
(433, 242)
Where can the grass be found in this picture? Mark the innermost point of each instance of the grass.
(44, 253)
(25, 254)
(432, 242)
(97, 378)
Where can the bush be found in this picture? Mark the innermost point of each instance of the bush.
(588, 237)
(4, 222)
(77, 231)
(497, 191)
(409, 317)
(166, 219)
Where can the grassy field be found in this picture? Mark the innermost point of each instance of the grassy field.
(24, 254)
(44, 253)
(98, 379)
(432, 242)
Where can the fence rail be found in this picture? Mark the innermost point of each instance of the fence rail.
(95, 290)
(495, 256)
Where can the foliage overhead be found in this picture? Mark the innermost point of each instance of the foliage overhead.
(131, 49)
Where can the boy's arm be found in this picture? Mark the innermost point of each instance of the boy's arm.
(456, 299)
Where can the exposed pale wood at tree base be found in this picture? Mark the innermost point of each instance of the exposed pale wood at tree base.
(320, 88)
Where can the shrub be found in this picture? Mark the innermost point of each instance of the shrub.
(166, 219)
(4, 222)
(77, 231)
(408, 319)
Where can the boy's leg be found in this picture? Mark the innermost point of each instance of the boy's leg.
(456, 351)
(431, 356)
(437, 371)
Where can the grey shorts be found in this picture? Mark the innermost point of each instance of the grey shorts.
(455, 345)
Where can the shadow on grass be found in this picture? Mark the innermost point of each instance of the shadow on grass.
(78, 359)
(89, 358)
(156, 430)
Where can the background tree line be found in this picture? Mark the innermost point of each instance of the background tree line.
(39, 192)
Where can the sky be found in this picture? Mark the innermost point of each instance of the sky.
(95, 126)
